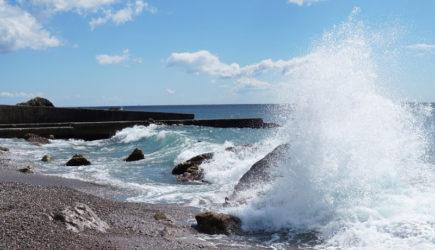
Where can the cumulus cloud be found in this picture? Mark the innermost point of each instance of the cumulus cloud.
(19, 30)
(422, 46)
(76, 5)
(113, 59)
(303, 2)
(170, 91)
(205, 62)
(123, 15)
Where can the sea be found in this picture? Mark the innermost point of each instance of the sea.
(359, 172)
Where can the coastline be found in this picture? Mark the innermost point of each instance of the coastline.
(27, 200)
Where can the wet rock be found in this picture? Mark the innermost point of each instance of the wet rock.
(51, 137)
(37, 101)
(4, 149)
(190, 170)
(36, 139)
(47, 158)
(136, 155)
(160, 216)
(260, 172)
(78, 217)
(78, 160)
(27, 170)
(217, 223)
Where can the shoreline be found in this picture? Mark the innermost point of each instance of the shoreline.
(28, 200)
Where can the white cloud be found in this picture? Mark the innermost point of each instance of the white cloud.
(170, 91)
(19, 94)
(205, 62)
(73, 5)
(123, 15)
(113, 59)
(421, 46)
(19, 30)
(302, 2)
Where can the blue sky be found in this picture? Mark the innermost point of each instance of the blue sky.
(110, 52)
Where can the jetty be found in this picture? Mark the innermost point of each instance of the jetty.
(16, 121)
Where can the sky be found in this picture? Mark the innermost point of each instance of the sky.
(170, 52)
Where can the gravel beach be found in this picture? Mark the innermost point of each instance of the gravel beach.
(29, 203)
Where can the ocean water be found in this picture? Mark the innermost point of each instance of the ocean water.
(359, 173)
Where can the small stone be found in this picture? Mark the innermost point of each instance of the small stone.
(4, 149)
(47, 158)
(27, 170)
(217, 223)
(51, 137)
(160, 216)
(136, 155)
(78, 160)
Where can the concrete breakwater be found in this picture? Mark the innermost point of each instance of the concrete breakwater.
(93, 124)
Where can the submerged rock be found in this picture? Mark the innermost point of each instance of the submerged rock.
(78, 160)
(259, 173)
(190, 170)
(27, 170)
(4, 149)
(47, 158)
(79, 217)
(217, 223)
(136, 155)
(37, 101)
(34, 138)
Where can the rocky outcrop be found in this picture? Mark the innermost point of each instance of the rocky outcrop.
(190, 170)
(37, 101)
(36, 139)
(78, 217)
(47, 158)
(136, 155)
(4, 149)
(27, 170)
(259, 173)
(217, 223)
(78, 160)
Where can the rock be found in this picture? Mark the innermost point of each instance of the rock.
(78, 160)
(51, 137)
(260, 172)
(159, 215)
(37, 101)
(4, 149)
(217, 223)
(47, 158)
(136, 155)
(34, 138)
(79, 217)
(189, 170)
(27, 170)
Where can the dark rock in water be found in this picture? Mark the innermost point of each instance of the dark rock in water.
(79, 217)
(51, 137)
(27, 170)
(260, 172)
(4, 149)
(190, 170)
(78, 160)
(37, 101)
(47, 158)
(34, 138)
(217, 223)
(136, 155)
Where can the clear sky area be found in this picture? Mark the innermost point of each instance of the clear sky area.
(157, 52)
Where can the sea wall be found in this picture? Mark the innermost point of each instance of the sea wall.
(28, 114)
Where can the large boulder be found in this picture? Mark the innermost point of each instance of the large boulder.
(136, 155)
(78, 160)
(36, 139)
(190, 170)
(259, 173)
(78, 217)
(38, 102)
(217, 223)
